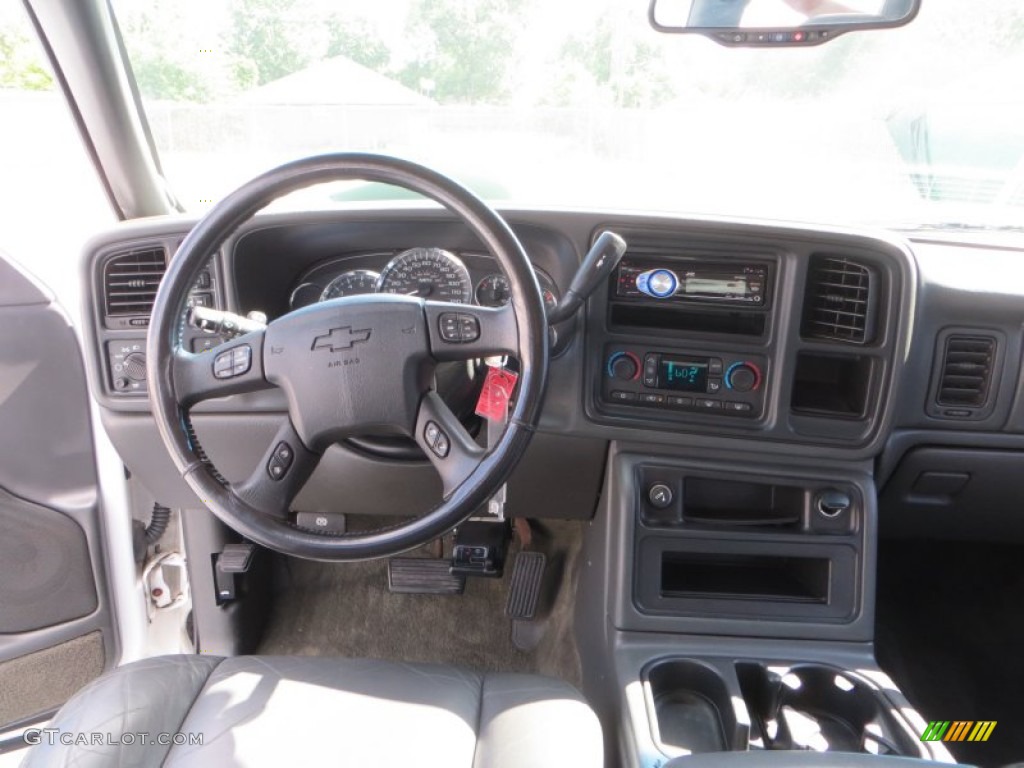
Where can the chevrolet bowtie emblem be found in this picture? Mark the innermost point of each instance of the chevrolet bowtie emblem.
(341, 338)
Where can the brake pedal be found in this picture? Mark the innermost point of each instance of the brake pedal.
(525, 585)
(423, 576)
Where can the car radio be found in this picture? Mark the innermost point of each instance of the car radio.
(685, 280)
(729, 384)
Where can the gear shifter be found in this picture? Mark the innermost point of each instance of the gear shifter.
(599, 262)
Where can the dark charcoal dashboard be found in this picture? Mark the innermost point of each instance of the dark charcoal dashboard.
(797, 344)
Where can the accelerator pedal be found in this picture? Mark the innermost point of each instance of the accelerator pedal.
(525, 585)
(423, 576)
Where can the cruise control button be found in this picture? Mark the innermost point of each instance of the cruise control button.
(284, 454)
(469, 328)
(430, 433)
(450, 327)
(276, 469)
(223, 366)
(442, 446)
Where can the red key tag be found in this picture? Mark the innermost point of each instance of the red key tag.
(499, 385)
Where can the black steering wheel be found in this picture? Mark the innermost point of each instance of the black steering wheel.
(350, 366)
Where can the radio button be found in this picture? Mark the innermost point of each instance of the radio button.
(652, 398)
(622, 396)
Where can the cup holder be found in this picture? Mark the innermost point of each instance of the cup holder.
(691, 710)
(820, 708)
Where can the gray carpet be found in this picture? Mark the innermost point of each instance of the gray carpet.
(346, 610)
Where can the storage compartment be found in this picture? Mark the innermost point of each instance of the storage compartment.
(770, 578)
(730, 502)
(821, 708)
(691, 710)
(831, 385)
(671, 319)
(800, 579)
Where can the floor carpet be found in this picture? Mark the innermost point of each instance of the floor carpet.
(322, 609)
(950, 631)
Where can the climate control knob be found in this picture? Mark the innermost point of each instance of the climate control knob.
(624, 366)
(743, 377)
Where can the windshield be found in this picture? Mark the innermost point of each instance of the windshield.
(582, 105)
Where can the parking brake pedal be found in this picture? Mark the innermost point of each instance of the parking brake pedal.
(524, 587)
(425, 576)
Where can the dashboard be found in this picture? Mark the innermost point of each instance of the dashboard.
(427, 272)
(778, 343)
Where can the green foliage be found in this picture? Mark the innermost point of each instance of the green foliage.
(268, 39)
(462, 50)
(354, 38)
(165, 58)
(605, 65)
(21, 65)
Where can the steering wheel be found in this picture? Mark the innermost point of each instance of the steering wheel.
(349, 366)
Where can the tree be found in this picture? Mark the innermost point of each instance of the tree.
(354, 38)
(165, 57)
(623, 70)
(21, 66)
(269, 39)
(463, 50)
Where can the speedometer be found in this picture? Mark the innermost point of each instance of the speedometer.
(430, 273)
(351, 283)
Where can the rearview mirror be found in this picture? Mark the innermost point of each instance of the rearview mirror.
(778, 22)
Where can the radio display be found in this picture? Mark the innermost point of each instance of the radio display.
(683, 375)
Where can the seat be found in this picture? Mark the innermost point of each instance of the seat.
(296, 711)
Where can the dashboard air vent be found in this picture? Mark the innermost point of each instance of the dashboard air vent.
(839, 300)
(130, 281)
(966, 371)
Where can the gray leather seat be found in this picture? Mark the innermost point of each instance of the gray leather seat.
(298, 711)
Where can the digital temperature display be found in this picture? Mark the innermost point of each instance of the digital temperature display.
(683, 375)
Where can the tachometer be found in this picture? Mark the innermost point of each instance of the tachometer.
(351, 283)
(430, 273)
(494, 291)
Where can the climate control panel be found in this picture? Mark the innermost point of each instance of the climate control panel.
(701, 382)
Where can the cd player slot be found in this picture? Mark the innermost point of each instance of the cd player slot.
(674, 318)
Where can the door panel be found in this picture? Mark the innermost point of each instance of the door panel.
(56, 623)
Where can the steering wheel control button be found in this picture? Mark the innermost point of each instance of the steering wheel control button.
(469, 328)
(658, 283)
(436, 439)
(280, 461)
(233, 362)
(660, 496)
(450, 327)
(458, 328)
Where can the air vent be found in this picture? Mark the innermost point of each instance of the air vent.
(839, 300)
(130, 281)
(966, 371)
